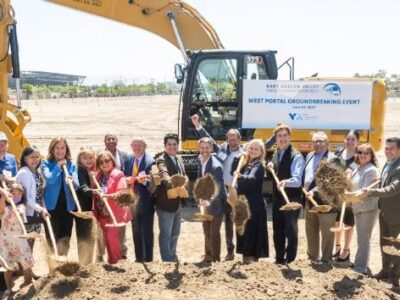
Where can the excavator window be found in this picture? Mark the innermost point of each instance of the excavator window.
(254, 68)
(214, 95)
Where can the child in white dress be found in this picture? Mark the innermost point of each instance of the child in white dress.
(13, 249)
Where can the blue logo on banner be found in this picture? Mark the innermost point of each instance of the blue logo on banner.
(332, 88)
(292, 115)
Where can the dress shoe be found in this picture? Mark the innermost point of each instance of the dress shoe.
(207, 259)
(381, 275)
(280, 262)
(346, 258)
(338, 250)
(229, 256)
(248, 259)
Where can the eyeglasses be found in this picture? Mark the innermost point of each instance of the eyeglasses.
(105, 161)
(319, 142)
(363, 152)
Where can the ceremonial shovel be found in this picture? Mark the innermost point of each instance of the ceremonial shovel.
(240, 205)
(348, 197)
(205, 190)
(289, 205)
(105, 200)
(316, 208)
(79, 213)
(63, 265)
(24, 235)
(355, 196)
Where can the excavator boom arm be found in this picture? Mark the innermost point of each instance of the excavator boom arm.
(155, 16)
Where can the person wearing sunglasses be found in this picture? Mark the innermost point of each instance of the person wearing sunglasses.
(365, 212)
(111, 181)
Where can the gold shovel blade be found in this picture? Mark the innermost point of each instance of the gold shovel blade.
(291, 206)
(29, 236)
(115, 225)
(390, 250)
(392, 239)
(202, 218)
(87, 215)
(321, 209)
(340, 229)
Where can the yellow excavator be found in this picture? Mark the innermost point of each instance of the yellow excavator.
(212, 77)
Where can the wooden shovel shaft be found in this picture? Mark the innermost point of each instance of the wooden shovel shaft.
(72, 188)
(309, 198)
(4, 263)
(281, 190)
(51, 233)
(374, 184)
(240, 165)
(342, 214)
(105, 200)
(15, 210)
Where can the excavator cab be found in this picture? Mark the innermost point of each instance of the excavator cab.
(212, 88)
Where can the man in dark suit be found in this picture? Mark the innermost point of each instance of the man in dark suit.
(169, 211)
(137, 168)
(288, 163)
(226, 154)
(389, 204)
(111, 142)
(218, 207)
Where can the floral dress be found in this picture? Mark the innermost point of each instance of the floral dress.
(13, 249)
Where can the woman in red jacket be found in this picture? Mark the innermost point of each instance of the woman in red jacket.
(111, 181)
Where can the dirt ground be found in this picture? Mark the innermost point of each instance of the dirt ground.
(84, 122)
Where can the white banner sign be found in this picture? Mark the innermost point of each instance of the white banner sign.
(307, 104)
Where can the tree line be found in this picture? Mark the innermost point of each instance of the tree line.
(119, 88)
(392, 81)
(116, 89)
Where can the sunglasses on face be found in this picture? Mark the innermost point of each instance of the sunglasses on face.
(363, 152)
(104, 161)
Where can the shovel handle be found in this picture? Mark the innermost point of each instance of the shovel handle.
(309, 198)
(51, 234)
(285, 197)
(4, 263)
(242, 161)
(105, 200)
(342, 214)
(71, 187)
(374, 184)
(15, 210)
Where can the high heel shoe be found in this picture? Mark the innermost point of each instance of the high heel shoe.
(346, 258)
(337, 253)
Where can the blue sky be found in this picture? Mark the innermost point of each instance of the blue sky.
(334, 38)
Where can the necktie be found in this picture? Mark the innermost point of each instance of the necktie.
(135, 170)
(178, 168)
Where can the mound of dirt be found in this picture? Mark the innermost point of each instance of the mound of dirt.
(224, 280)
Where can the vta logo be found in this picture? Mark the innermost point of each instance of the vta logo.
(332, 88)
(295, 117)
